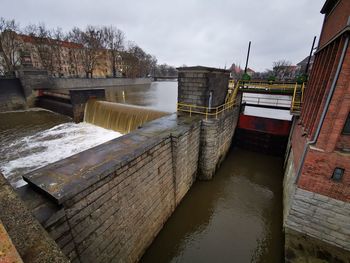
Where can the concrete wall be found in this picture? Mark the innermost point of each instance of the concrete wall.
(79, 98)
(11, 95)
(316, 227)
(32, 80)
(73, 83)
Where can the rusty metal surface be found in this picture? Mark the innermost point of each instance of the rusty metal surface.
(65, 178)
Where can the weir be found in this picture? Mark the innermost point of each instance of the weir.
(119, 117)
(108, 203)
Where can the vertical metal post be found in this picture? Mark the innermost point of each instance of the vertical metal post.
(246, 62)
(190, 111)
(308, 61)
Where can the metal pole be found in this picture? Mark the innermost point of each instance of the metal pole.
(246, 62)
(308, 61)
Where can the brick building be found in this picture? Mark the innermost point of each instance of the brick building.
(64, 58)
(317, 179)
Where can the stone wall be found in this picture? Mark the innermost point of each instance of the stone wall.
(316, 226)
(126, 190)
(216, 138)
(11, 95)
(195, 84)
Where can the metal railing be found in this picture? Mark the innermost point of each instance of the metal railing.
(230, 102)
(267, 101)
(298, 97)
(202, 110)
(267, 86)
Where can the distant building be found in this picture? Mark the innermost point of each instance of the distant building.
(64, 58)
(236, 72)
(301, 66)
(250, 72)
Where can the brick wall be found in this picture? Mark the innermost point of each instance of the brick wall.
(331, 148)
(316, 226)
(335, 21)
(318, 169)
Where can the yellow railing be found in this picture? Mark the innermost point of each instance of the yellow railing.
(208, 112)
(267, 85)
(298, 98)
(230, 101)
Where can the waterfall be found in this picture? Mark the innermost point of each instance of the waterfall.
(118, 117)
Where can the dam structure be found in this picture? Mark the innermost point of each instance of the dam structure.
(108, 203)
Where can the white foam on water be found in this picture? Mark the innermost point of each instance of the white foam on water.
(48, 146)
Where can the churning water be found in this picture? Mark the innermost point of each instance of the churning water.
(38, 138)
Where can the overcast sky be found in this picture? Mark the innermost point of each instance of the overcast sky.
(192, 32)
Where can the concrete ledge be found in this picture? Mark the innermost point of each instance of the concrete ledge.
(74, 83)
(64, 179)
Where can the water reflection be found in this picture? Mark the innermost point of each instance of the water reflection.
(237, 217)
(161, 95)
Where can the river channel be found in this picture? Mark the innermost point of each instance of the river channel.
(236, 217)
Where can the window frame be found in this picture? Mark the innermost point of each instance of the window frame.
(347, 122)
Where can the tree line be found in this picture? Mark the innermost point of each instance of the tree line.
(282, 70)
(90, 45)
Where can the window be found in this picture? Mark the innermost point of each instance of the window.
(337, 174)
(346, 129)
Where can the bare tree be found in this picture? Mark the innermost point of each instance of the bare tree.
(44, 43)
(113, 41)
(10, 46)
(57, 49)
(76, 53)
(92, 41)
(281, 69)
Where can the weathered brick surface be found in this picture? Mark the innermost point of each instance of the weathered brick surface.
(317, 172)
(331, 149)
(335, 21)
(315, 221)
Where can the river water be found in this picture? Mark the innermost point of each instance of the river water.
(236, 217)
